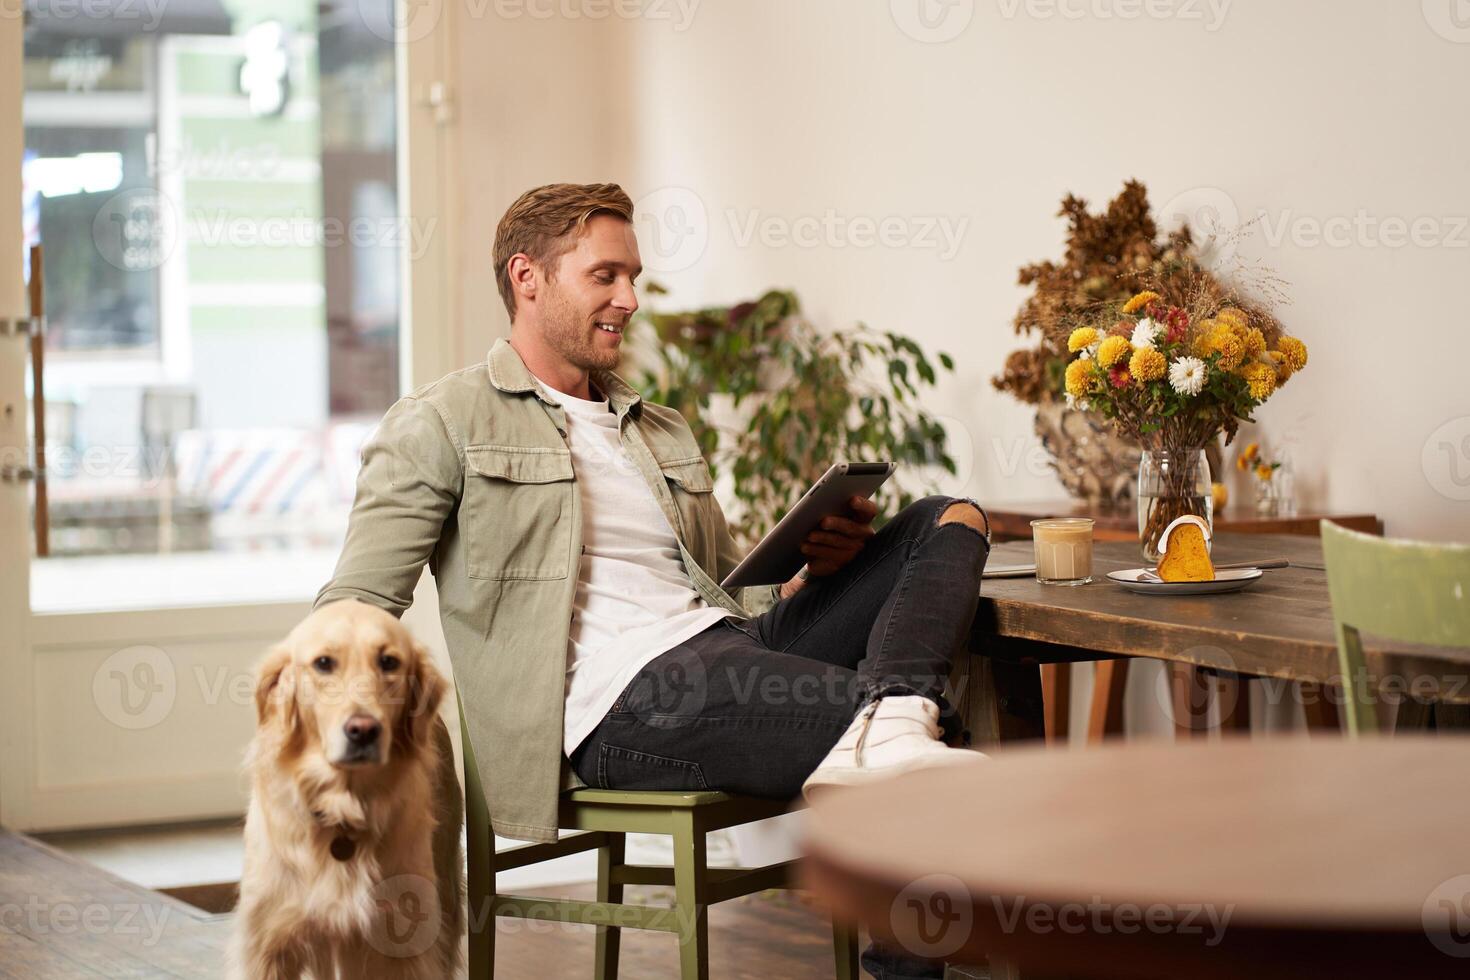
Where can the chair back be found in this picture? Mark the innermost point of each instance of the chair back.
(1405, 591)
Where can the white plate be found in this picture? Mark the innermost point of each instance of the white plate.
(1008, 571)
(1228, 580)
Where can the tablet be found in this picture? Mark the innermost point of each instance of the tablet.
(778, 556)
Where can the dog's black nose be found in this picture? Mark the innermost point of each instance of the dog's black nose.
(362, 730)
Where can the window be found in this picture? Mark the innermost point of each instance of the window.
(214, 185)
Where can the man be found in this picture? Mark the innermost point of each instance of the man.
(577, 547)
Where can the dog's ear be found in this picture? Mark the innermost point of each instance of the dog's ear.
(426, 690)
(275, 685)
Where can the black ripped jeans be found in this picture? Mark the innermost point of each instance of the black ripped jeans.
(753, 706)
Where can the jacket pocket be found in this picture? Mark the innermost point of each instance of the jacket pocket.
(516, 516)
(692, 488)
(620, 768)
(691, 475)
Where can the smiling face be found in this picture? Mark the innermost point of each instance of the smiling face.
(571, 312)
(350, 682)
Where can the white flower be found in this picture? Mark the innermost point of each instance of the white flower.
(1145, 334)
(1077, 404)
(1187, 375)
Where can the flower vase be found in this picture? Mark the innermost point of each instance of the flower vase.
(1274, 492)
(1171, 484)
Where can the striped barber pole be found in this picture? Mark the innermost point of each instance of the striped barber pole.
(253, 471)
(285, 472)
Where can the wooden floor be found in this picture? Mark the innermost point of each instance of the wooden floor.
(64, 919)
(759, 937)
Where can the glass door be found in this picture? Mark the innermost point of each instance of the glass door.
(216, 190)
(217, 198)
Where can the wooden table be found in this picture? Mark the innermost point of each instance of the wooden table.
(1012, 521)
(1271, 859)
(1280, 629)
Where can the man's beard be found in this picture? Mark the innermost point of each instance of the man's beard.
(567, 333)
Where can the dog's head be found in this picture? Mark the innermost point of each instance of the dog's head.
(351, 682)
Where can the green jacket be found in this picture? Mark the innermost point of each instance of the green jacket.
(472, 475)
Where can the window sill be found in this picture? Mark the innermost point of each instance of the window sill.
(112, 583)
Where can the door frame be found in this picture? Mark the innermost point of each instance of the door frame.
(15, 527)
(430, 346)
(433, 342)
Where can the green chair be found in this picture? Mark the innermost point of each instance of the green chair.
(606, 816)
(1405, 591)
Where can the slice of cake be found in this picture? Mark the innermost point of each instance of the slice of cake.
(1184, 551)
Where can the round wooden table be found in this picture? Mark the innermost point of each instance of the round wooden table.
(1283, 858)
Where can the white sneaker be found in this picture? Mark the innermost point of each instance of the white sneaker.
(891, 736)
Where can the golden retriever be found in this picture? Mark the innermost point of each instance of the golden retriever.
(352, 847)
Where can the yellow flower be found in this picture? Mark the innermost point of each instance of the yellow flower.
(1113, 350)
(1235, 318)
(1147, 365)
(1202, 340)
(1139, 302)
(1081, 337)
(1261, 379)
(1247, 456)
(1080, 378)
(1295, 351)
(1255, 343)
(1263, 472)
(1228, 346)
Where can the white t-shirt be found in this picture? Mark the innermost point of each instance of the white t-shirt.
(634, 599)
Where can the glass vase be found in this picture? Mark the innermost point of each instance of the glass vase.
(1171, 484)
(1274, 494)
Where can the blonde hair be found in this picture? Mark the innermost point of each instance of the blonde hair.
(545, 221)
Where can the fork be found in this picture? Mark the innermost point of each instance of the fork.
(1151, 576)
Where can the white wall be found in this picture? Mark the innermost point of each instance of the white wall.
(541, 100)
(1308, 110)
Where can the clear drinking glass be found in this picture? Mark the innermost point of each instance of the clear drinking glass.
(1063, 550)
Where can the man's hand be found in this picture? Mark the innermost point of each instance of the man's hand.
(836, 541)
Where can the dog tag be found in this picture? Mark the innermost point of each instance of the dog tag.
(343, 848)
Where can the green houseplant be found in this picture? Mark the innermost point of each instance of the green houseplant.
(775, 401)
